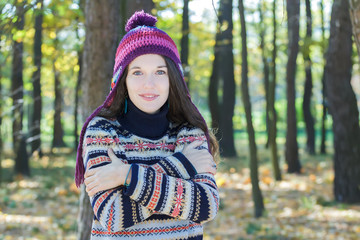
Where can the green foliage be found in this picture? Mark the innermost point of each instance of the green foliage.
(252, 228)
(64, 35)
(307, 202)
(61, 42)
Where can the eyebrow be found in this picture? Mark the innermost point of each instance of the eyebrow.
(136, 67)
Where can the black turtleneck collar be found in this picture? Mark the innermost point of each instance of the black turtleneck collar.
(151, 126)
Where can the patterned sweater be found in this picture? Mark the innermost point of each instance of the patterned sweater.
(166, 199)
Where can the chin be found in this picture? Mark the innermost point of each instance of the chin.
(150, 110)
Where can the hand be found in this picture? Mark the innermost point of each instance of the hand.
(108, 176)
(201, 159)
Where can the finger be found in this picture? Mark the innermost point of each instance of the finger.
(111, 154)
(89, 188)
(89, 180)
(212, 169)
(89, 173)
(92, 187)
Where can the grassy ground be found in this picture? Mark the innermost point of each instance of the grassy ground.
(45, 206)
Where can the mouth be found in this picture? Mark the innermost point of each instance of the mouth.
(149, 97)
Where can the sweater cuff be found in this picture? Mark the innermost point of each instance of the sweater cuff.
(129, 190)
(146, 182)
(186, 163)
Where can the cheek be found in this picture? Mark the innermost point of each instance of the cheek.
(131, 85)
(165, 86)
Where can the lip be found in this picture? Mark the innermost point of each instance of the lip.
(149, 96)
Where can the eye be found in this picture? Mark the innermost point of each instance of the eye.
(161, 72)
(137, 73)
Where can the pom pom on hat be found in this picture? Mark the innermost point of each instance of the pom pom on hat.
(140, 19)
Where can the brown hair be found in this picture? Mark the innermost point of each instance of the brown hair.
(181, 108)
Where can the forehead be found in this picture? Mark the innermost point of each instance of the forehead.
(148, 60)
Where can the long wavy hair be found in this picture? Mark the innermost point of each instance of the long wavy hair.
(181, 109)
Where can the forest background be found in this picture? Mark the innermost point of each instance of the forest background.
(292, 176)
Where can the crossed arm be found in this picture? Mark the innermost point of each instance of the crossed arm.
(171, 186)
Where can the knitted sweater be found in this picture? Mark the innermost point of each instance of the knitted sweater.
(166, 199)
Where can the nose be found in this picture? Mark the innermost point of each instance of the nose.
(149, 81)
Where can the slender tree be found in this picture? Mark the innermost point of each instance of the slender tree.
(324, 105)
(184, 54)
(17, 76)
(78, 81)
(256, 192)
(343, 105)
(226, 79)
(35, 129)
(264, 58)
(308, 117)
(291, 145)
(77, 98)
(58, 133)
(21, 159)
(213, 100)
(271, 103)
(102, 32)
(1, 105)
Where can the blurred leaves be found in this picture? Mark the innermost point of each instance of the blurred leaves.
(44, 206)
(300, 207)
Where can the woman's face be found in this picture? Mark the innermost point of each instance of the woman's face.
(147, 82)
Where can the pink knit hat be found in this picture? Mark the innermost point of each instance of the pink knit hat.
(142, 37)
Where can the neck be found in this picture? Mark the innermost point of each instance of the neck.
(152, 126)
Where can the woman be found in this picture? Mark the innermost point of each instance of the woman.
(146, 154)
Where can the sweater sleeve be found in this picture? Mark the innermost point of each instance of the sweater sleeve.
(176, 165)
(196, 199)
(114, 210)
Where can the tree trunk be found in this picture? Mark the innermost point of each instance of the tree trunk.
(256, 192)
(308, 118)
(343, 106)
(77, 94)
(226, 77)
(123, 18)
(324, 105)
(37, 107)
(265, 66)
(271, 103)
(17, 77)
(102, 31)
(1, 110)
(21, 159)
(137, 5)
(214, 104)
(58, 137)
(78, 81)
(86, 214)
(355, 20)
(184, 55)
(291, 145)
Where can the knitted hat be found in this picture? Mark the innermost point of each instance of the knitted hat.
(142, 37)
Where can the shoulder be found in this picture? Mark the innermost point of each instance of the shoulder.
(186, 129)
(101, 124)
